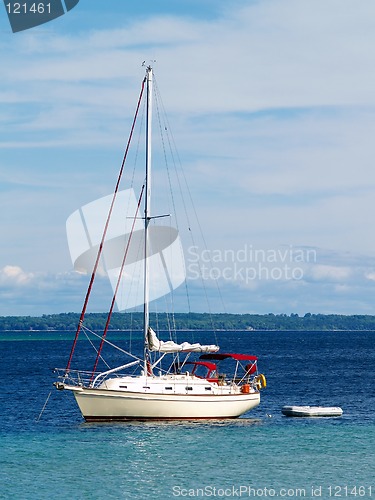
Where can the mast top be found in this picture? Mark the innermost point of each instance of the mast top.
(148, 67)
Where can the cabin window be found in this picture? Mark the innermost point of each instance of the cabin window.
(145, 387)
(168, 388)
(189, 388)
(208, 388)
(123, 386)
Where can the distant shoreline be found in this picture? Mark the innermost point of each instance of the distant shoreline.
(187, 330)
(192, 322)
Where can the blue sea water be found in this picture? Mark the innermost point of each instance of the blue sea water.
(261, 455)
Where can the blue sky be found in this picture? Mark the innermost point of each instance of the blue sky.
(273, 105)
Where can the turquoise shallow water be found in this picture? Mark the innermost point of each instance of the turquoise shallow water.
(165, 460)
(262, 455)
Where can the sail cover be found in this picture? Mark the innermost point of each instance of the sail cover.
(154, 344)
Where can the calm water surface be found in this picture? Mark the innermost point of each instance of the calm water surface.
(263, 454)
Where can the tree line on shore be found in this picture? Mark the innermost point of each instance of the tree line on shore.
(191, 321)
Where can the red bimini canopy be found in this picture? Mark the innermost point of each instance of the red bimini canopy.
(209, 366)
(219, 356)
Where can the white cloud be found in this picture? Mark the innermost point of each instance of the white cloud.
(329, 273)
(273, 104)
(24, 293)
(266, 55)
(14, 275)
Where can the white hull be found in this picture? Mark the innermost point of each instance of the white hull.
(311, 411)
(107, 405)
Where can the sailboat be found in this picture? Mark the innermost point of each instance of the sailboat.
(188, 385)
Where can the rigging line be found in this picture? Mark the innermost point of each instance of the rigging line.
(133, 288)
(112, 345)
(83, 312)
(169, 316)
(202, 236)
(131, 331)
(189, 224)
(174, 149)
(117, 286)
(166, 127)
(157, 318)
(156, 329)
(44, 407)
(135, 283)
(93, 346)
(157, 97)
(170, 319)
(161, 315)
(201, 276)
(156, 94)
(137, 149)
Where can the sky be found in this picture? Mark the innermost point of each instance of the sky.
(273, 111)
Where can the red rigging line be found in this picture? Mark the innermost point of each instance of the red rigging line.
(116, 290)
(83, 312)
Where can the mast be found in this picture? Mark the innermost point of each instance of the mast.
(147, 215)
